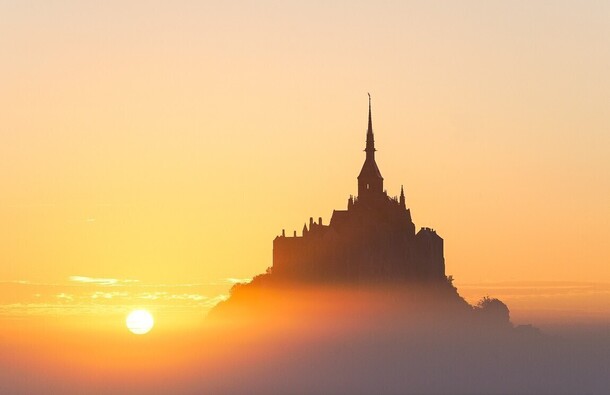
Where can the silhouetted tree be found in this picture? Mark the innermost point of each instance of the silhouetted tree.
(493, 311)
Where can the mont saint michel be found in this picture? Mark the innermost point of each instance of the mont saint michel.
(373, 240)
(371, 244)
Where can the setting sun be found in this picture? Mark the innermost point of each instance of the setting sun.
(140, 322)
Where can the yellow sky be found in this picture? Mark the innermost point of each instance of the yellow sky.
(170, 143)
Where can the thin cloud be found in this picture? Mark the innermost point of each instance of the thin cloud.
(151, 295)
(100, 281)
(195, 297)
(108, 295)
(537, 289)
(233, 280)
(83, 295)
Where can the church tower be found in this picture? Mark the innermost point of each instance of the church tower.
(370, 181)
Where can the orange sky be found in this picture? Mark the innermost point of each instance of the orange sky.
(170, 143)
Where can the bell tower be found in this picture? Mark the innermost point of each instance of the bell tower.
(370, 181)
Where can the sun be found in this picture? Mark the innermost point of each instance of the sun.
(140, 322)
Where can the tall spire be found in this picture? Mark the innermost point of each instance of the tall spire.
(370, 140)
(370, 181)
(402, 197)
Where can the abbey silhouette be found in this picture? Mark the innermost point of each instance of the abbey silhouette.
(370, 246)
(373, 240)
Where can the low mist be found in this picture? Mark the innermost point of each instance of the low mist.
(327, 341)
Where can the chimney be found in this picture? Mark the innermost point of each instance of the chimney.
(320, 220)
(283, 232)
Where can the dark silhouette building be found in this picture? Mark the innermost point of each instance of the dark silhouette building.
(374, 240)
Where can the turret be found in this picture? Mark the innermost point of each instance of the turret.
(350, 202)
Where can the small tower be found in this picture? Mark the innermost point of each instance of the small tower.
(402, 201)
(370, 181)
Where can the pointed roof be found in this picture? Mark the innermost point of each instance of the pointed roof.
(370, 169)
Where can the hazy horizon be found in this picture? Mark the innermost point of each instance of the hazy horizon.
(150, 152)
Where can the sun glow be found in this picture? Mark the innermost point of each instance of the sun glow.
(140, 322)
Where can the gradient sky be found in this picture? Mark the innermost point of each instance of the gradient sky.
(170, 142)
